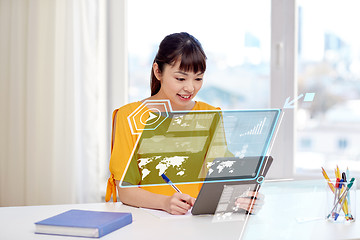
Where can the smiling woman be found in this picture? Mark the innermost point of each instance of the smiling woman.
(178, 70)
(180, 47)
(177, 86)
(177, 75)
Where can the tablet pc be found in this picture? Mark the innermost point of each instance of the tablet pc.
(211, 190)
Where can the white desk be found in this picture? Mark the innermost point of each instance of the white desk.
(284, 203)
(17, 223)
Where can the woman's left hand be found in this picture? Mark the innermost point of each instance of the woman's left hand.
(251, 202)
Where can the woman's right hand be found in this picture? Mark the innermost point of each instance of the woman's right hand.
(179, 203)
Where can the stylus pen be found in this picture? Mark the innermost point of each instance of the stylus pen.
(167, 180)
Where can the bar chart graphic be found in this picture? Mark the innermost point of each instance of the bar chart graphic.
(256, 130)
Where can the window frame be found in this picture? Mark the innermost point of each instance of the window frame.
(284, 83)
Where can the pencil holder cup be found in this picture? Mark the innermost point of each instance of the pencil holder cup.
(340, 201)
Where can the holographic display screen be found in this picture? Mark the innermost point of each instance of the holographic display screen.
(189, 147)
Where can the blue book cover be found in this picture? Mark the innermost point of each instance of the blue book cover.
(83, 223)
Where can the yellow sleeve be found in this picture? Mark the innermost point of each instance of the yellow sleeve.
(123, 142)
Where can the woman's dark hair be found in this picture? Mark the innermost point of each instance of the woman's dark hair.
(178, 46)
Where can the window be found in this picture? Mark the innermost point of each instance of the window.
(329, 65)
(239, 39)
(235, 36)
(247, 45)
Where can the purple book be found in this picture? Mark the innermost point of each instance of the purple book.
(83, 223)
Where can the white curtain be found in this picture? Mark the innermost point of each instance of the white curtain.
(54, 114)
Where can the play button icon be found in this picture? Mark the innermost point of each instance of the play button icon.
(150, 116)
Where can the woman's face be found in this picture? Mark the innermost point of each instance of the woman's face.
(178, 86)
